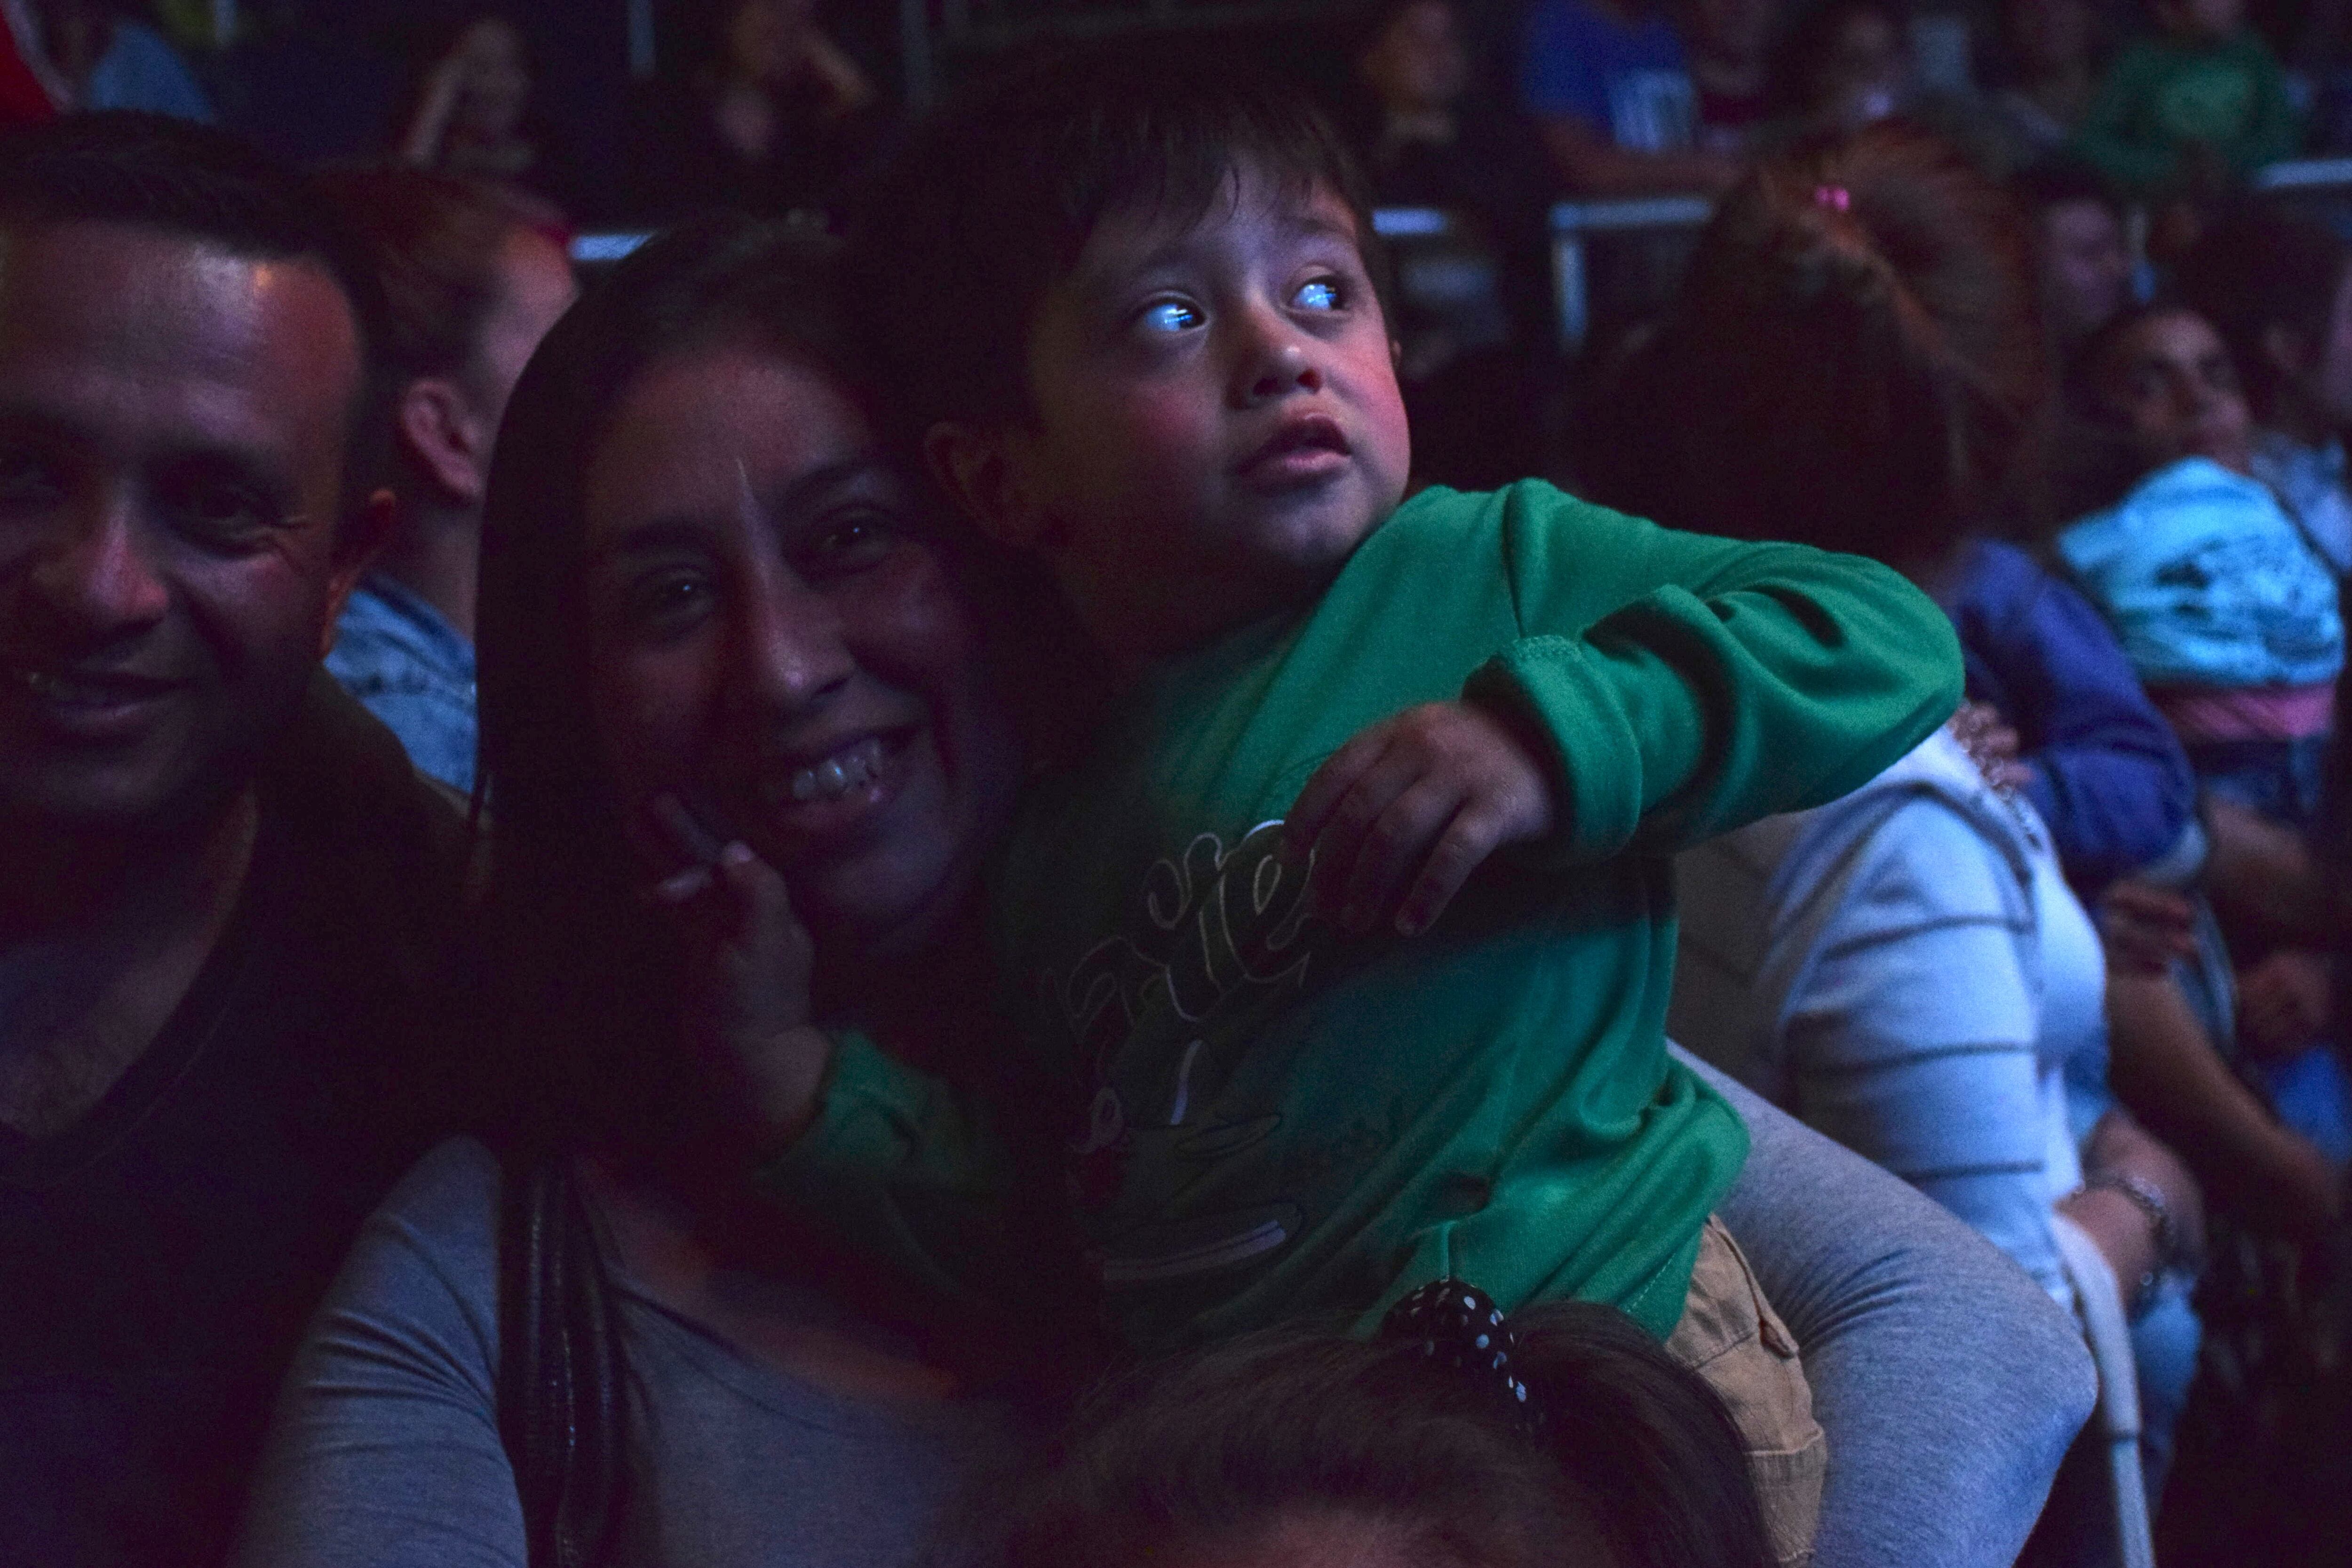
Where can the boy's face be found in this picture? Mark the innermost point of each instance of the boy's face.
(2171, 380)
(1217, 419)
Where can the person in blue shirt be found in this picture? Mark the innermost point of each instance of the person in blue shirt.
(1610, 89)
(473, 288)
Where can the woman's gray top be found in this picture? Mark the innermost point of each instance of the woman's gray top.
(1948, 1384)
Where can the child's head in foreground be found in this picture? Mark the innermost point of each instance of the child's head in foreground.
(1292, 1450)
(1125, 302)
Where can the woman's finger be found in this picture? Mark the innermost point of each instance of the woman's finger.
(681, 887)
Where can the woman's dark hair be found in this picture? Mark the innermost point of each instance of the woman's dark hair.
(580, 995)
(585, 976)
(1853, 360)
(2261, 268)
(1635, 1451)
(992, 198)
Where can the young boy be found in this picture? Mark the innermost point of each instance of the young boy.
(2203, 102)
(1128, 308)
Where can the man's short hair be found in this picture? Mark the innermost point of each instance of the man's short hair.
(992, 198)
(150, 170)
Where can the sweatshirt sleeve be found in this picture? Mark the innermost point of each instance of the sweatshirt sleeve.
(1938, 1083)
(1686, 685)
(902, 1166)
(2107, 773)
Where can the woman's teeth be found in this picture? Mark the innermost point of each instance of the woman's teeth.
(853, 767)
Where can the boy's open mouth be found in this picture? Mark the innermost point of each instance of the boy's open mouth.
(1303, 449)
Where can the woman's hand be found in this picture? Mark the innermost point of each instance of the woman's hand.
(1992, 743)
(748, 960)
(1399, 817)
(2284, 1001)
(2146, 927)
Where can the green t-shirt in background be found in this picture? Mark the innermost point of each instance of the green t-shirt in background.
(2164, 95)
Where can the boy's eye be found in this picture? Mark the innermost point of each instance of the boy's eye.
(1323, 294)
(1169, 316)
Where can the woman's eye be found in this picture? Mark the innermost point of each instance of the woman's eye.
(1323, 294)
(666, 598)
(28, 481)
(850, 542)
(1171, 316)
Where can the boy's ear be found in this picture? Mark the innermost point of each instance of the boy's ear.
(981, 473)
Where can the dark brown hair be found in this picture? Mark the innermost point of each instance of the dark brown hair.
(1855, 356)
(2259, 268)
(1636, 1452)
(992, 198)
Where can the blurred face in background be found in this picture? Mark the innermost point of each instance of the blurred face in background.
(2085, 268)
(766, 39)
(2170, 379)
(1418, 64)
(2208, 19)
(495, 83)
(1864, 73)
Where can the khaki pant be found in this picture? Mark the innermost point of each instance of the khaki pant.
(1730, 1335)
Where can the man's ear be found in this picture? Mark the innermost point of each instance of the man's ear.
(981, 471)
(445, 438)
(362, 539)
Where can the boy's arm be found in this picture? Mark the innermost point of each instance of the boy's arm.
(905, 1168)
(1687, 685)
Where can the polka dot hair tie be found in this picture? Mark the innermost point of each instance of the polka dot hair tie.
(1458, 1325)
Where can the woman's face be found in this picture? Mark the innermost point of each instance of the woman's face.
(2170, 379)
(773, 642)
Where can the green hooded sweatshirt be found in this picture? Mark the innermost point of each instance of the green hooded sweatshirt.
(1287, 1121)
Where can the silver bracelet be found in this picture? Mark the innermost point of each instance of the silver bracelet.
(2148, 1198)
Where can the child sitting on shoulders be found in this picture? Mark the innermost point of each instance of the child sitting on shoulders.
(1126, 302)
(1458, 1438)
(2225, 611)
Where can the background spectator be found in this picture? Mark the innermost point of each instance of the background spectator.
(473, 285)
(2080, 259)
(770, 116)
(1730, 45)
(1610, 87)
(472, 114)
(111, 59)
(2048, 72)
(2279, 289)
(2199, 104)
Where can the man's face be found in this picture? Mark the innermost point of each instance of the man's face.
(172, 428)
(2170, 378)
(1218, 423)
(2086, 270)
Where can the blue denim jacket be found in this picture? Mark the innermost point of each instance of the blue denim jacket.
(410, 667)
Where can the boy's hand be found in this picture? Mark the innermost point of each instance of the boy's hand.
(1399, 817)
(748, 960)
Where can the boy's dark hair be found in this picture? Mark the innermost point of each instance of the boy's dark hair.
(992, 198)
(150, 170)
(1211, 1447)
(2259, 268)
